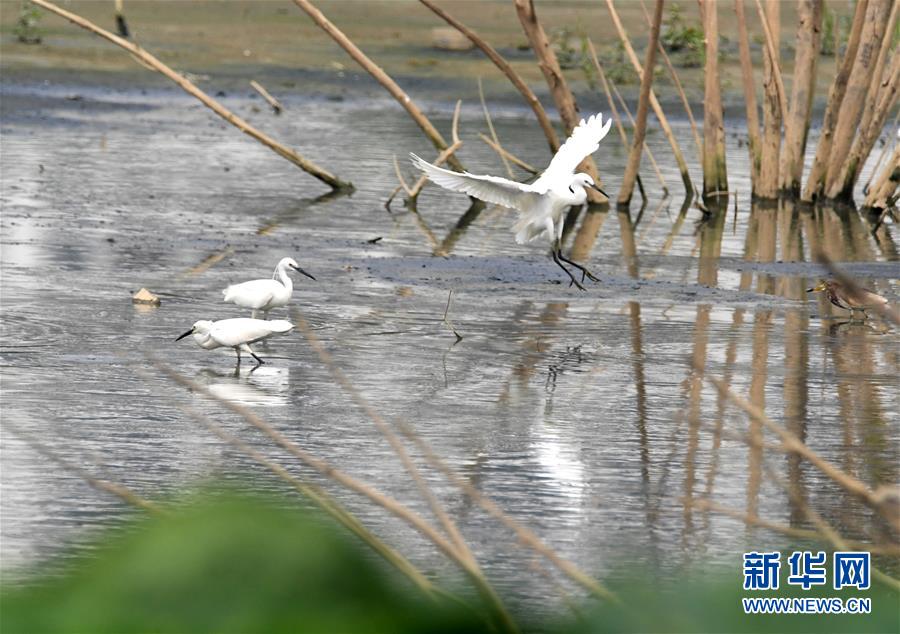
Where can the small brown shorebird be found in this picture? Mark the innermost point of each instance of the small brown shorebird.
(842, 297)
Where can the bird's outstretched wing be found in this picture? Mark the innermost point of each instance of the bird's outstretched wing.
(492, 189)
(585, 140)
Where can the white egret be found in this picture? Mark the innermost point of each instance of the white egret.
(236, 333)
(264, 295)
(542, 203)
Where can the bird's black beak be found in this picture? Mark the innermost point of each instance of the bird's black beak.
(189, 332)
(600, 190)
(299, 270)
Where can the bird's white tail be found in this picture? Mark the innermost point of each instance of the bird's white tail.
(227, 294)
(281, 325)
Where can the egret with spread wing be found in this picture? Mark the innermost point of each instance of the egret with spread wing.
(541, 204)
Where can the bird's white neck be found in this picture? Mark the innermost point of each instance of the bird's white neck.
(283, 277)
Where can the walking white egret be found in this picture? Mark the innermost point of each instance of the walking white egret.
(542, 203)
(236, 333)
(264, 295)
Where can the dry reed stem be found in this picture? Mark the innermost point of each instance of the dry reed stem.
(880, 99)
(498, 60)
(509, 155)
(772, 50)
(886, 184)
(119, 490)
(654, 102)
(265, 94)
(389, 435)
(829, 532)
(400, 178)
(870, 130)
(650, 155)
(524, 535)
(800, 533)
(150, 61)
(640, 129)
(679, 88)
(321, 499)
(815, 182)
(359, 487)
(615, 113)
(490, 125)
(446, 319)
(462, 554)
(796, 122)
(382, 77)
(854, 101)
(443, 156)
(715, 177)
(774, 103)
(795, 445)
(749, 85)
(884, 150)
(556, 82)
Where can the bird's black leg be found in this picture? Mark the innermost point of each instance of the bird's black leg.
(258, 360)
(556, 256)
(584, 270)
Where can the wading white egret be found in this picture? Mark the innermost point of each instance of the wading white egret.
(542, 203)
(236, 333)
(264, 295)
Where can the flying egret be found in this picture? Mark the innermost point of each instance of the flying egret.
(843, 297)
(264, 295)
(236, 333)
(540, 204)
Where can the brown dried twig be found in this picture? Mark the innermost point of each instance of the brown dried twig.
(153, 63)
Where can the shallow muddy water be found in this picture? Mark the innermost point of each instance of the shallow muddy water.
(579, 413)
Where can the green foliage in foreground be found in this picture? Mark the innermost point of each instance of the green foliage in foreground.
(226, 563)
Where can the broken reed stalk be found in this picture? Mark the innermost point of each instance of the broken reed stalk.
(265, 94)
(873, 122)
(490, 125)
(524, 535)
(855, 99)
(829, 532)
(797, 446)
(796, 123)
(654, 102)
(382, 77)
(799, 533)
(647, 150)
(679, 88)
(359, 487)
(507, 154)
(389, 435)
(446, 319)
(504, 67)
(119, 490)
(715, 174)
(815, 182)
(442, 157)
(464, 554)
(153, 63)
(884, 152)
(749, 85)
(615, 114)
(881, 194)
(774, 101)
(607, 86)
(559, 89)
(640, 127)
(322, 500)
